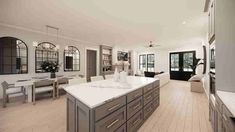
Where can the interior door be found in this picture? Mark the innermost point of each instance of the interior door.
(180, 65)
(91, 64)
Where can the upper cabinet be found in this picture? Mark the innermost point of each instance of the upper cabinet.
(211, 22)
(13, 56)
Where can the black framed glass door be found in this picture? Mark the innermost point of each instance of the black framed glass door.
(180, 65)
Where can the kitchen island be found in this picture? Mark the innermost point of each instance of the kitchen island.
(107, 106)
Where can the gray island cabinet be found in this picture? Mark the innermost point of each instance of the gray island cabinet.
(125, 108)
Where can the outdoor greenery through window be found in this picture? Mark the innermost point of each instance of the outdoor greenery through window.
(174, 62)
(146, 62)
(45, 51)
(142, 62)
(188, 60)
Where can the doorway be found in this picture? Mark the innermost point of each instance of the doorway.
(91, 63)
(180, 65)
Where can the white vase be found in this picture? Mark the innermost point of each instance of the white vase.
(123, 77)
(116, 75)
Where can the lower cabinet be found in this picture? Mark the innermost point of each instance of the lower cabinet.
(123, 114)
(122, 128)
(212, 116)
(222, 121)
(219, 121)
(71, 114)
(111, 122)
(134, 123)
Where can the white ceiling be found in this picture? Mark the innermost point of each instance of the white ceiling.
(128, 23)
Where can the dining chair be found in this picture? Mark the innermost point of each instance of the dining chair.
(109, 76)
(61, 84)
(43, 86)
(9, 90)
(77, 81)
(96, 78)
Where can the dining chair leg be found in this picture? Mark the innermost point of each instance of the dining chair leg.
(33, 95)
(7, 99)
(54, 90)
(24, 92)
(4, 98)
(57, 91)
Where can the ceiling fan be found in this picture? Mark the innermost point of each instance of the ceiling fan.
(151, 45)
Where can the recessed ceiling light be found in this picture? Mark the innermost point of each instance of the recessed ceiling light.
(184, 22)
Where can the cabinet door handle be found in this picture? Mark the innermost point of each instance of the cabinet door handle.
(115, 106)
(113, 123)
(136, 95)
(138, 105)
(149, 97)
(225, 118)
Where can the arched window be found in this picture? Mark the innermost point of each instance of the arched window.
(13, 56)
(45, 51)
(71, 59)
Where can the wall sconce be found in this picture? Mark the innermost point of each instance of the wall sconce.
(35, 43)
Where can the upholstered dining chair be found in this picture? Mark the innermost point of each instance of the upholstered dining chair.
(61, 84)
(43, 86)
(9, 90)
(96, 78)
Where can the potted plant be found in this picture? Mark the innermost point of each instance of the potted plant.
(51, 67)
(196, 63)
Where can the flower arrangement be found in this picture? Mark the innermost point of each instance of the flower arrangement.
(50, 66)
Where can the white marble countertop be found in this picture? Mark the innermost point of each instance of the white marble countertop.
(94, 94)
(228, 98)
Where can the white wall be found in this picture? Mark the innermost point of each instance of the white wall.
(162, 59)
(225, 45)
(28, 37)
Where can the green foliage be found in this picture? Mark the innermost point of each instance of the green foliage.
(49, 66)
(195, 64)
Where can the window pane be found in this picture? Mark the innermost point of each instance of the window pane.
(150, 63)
(174, 62)
(188, 60)
(142, 62)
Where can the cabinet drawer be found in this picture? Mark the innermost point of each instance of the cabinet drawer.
(227, 118)
(156, 92)
(111, 122)
(155, 103)
(218, 104)
(134, 107)
(156, 84)
(122, 128)
(226, 127)
(109, 107)
(148, 109)
(135, 122)
(135, 94)
(147, 88)
(148, 97)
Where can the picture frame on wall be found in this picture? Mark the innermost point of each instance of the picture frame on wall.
(122, 56)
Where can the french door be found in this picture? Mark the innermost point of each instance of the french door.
(180, 65)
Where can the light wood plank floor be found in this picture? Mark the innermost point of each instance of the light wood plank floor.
(179, 111)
